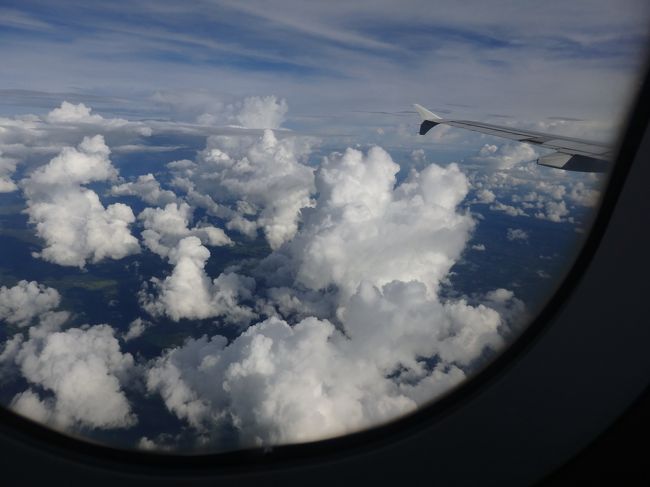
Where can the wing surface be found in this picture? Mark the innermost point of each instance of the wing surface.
(570, 153)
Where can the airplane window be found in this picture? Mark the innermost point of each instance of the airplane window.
(225, 226)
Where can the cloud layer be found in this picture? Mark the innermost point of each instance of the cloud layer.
(335, 314)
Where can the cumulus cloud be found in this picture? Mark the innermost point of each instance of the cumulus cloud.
(264, 176)
(507, 209)
(485, 196)
(275, 383)
(395, 344)
(7, 168)
(348, 327)
(8, 353)
(418, 156)
(189, 293)
(365, 228)
(516, 234)
(136, 328)
(547, 199)
(253, 112)
(75, 376)
(554, 211)
(165, 227)
(69, 113)
(511, 309)
(281, 383)
(265, 112)
(30, 138)
(583, 196)
(69, 217)
(25, 301)
(505, 156)
(554, 191)
(549, 194)
(80, 371)
(148, 189)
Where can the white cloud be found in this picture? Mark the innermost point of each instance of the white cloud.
(82, 371)
(145, 443)
(7, 168)
(507, 209)
(485, 196)
(401, 323)
(356, 333)
(583, 196)
(8, 358)
(75, 375)
(555, 191)
(275, 383)
(553, 211)
(189, 293)
(165, 227)
(69, 217)
(25, 301)
(87, 163)
(386, 248)
(147, 188)
(505, 156)
(208, 109)
(29, 138)
(363, 228)
(500, 295)
(136, 328)
(516, 234)
(71, 114)
(162, 442)
(262, 112)
(278, 383)
(479, 247)
(418, 156)
(264, 175)
(511, 309)
(549, 193)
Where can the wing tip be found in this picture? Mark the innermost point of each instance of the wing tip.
(426, 114)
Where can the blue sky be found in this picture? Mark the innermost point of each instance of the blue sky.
(328, 59)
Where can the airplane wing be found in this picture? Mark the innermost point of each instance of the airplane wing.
(570, 154)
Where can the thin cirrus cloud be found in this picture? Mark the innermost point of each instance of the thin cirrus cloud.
(342, 51)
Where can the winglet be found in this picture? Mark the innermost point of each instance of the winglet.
(426, 114)
(429, 119)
